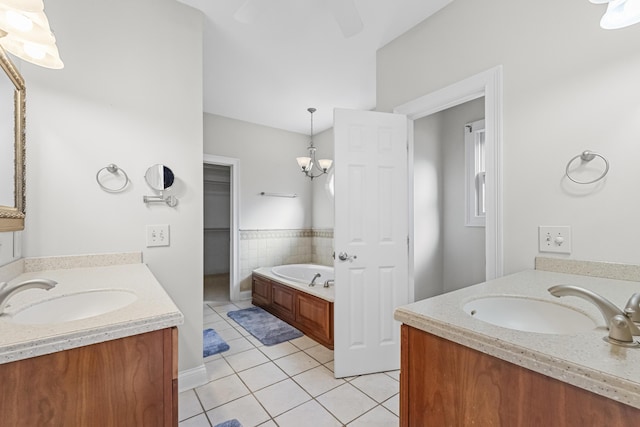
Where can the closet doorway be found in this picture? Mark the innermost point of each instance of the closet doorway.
(220, 233)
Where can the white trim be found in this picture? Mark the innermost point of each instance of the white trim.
(192, 378)
(474, 170)
(234, 267)
(245, 295)
(488, 84)
(410, 229)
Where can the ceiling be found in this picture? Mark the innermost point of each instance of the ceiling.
(292, 54)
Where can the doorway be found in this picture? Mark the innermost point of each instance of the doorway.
(488, 84)
(446, 237)
(217, 227)
(221, 229)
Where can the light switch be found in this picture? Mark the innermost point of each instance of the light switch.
(157, 235)
(554, 239)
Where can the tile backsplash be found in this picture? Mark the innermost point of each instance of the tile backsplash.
(265, 248)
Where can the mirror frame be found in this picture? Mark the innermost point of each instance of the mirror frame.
(12, 218)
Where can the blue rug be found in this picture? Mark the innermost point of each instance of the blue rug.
(229, 423)
(267, 328)
(212, 343)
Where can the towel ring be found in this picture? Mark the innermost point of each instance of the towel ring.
(113, 169)
(587, 156)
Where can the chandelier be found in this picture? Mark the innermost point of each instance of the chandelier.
(620, 13)
(307, 163)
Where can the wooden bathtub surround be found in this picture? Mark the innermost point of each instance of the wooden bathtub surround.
(310, 314)
(443, 383)
(129, 381)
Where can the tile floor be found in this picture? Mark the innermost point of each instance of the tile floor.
(288, 384)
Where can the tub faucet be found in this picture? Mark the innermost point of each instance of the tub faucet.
(329, 282)
(313, 281)
(6, 293)
(621, 328)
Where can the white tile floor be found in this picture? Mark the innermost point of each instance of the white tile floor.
(288, 384)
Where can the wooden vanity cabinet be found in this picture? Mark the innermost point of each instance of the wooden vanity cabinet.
(130, 381)
(308, 313)
(446, 384)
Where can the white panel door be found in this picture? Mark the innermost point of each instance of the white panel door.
(370, 239)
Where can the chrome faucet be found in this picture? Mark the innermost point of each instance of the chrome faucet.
(329, 282)
(621, 327)
(313, 281)
(6, 293)
(632, 309)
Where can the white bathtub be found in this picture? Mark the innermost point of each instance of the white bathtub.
(304, 273)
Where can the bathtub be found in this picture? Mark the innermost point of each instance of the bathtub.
(284, 291)
(304, 273)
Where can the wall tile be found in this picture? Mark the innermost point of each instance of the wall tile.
(264, 248)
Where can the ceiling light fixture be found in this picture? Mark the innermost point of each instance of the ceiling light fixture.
(28, 35)
(307, 163)
(619, 14)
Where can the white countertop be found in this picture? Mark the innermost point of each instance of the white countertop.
(318, 290)
(152, 310)
(583, 359)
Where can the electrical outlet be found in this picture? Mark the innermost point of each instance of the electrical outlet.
(157, 235)
(554, 239)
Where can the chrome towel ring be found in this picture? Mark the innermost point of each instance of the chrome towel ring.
(587, 156)
(114, 170)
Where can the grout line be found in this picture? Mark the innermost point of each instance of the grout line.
(299, 348)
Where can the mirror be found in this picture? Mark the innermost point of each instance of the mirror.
(12, 146)
(159, 177)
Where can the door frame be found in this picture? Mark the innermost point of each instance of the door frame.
(234, 230)
(488, 84)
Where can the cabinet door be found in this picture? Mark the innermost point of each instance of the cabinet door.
(261, 291)
(315, 314)
(282, 301)
(443, 383)
(122, 382)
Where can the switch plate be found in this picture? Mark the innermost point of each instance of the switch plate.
(554, 239)
(157, 235)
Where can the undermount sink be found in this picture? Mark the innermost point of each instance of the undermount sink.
(76, 306)
(529, 315)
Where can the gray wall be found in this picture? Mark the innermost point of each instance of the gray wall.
(130, 94)
(447, 254)
(464, 247)
(428, 195)
(568, 86)
(267, 163)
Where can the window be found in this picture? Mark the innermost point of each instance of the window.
(474, 137)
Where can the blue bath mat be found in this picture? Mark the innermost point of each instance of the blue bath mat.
(212, 343)
(267, 328)
(229, 423)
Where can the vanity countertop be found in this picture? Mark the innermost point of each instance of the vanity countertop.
(152, 310)
(583, 359)
(319, 290)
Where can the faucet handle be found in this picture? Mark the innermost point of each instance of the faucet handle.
(620, 332)
(632, 309)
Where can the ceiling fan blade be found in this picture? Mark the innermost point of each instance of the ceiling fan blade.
(347, 16)
(249, 11)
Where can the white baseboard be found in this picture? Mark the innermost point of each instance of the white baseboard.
(245, 295)
(192, 378)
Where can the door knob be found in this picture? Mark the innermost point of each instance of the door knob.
(343, 256)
